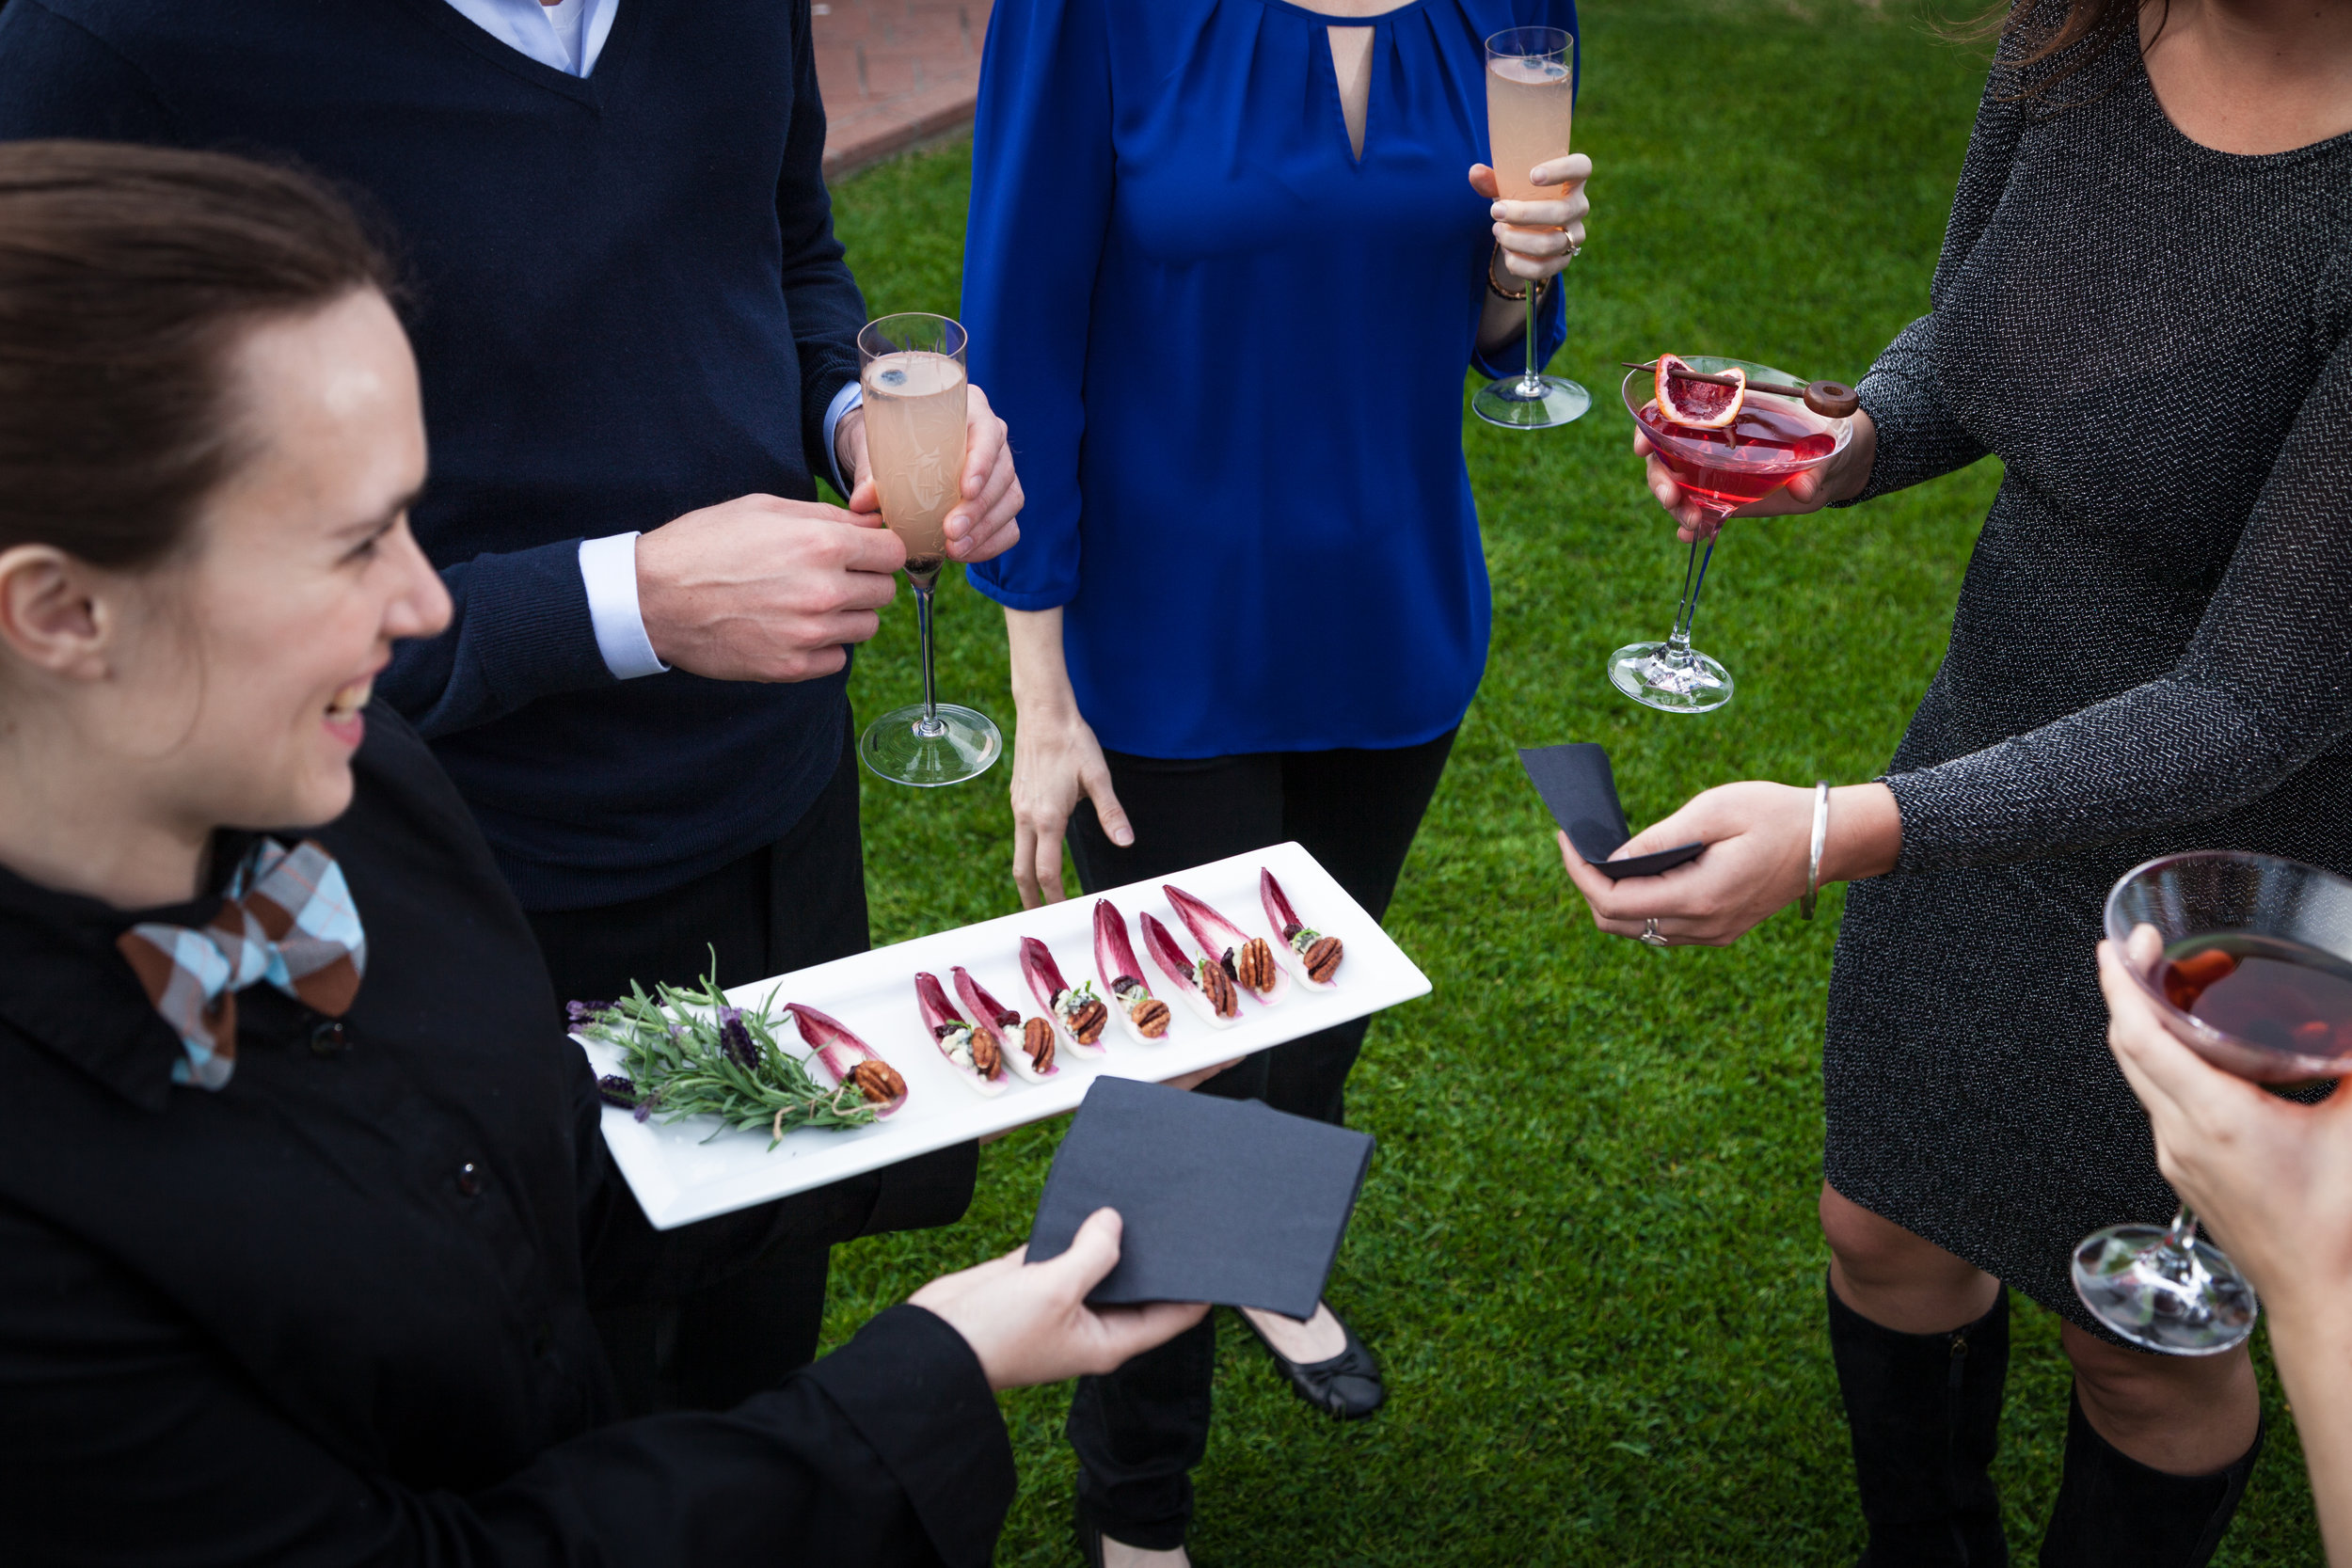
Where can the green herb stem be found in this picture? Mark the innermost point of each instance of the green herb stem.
(676, 1055)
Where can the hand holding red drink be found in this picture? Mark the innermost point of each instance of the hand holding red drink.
(1726, 433)
(1698, 514)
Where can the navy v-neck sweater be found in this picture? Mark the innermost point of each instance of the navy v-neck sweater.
(629, 303)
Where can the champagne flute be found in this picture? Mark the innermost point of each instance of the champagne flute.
(913, 371)
(1531, 94)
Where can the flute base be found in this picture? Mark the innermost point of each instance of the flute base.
(1520, 404)
(1671, 679)
(957, 744)
(2177, 1299)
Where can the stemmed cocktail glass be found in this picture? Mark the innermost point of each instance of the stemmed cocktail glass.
(1531, 96)
(1773, 440)
(912, 374)
(2252, 969)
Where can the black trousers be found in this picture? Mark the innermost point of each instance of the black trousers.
(799, 901)
(1140, 1431)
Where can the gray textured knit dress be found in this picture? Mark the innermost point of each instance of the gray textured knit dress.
(2153, 649)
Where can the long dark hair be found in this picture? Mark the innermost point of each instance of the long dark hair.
(127, 276)
(2032, 32)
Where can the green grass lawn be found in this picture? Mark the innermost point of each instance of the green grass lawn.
(1587, 1252)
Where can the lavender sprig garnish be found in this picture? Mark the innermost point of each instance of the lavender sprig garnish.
(689, 1053)
(736, 1040)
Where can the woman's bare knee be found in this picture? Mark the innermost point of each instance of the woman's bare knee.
(2188, 1415)
(1895, 1278)
(1875, 1250)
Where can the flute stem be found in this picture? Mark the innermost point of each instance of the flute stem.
(930, 724)
(1532, 387)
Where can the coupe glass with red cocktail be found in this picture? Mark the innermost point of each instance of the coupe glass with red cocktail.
(1726, 446)
(2252, 970)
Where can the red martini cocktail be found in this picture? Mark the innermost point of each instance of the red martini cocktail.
(1770, 440)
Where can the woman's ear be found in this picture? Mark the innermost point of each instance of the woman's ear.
(54, 615)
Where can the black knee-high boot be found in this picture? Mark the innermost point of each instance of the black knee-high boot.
(2113, 1510)
(1925, 1411)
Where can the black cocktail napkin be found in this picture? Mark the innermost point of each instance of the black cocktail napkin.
(1224, 1200)
(1576, 782)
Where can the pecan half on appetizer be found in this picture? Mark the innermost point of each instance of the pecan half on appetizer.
(1146, 1012)
(1073, 1010)
(1254, 966)
(1205, 987)
(1314, 955)
(971, 1051)
(878, 1080)
(1249, 960)
(998, 1033)
(1145, 1015)
(1037, 1038)
(849, 1059)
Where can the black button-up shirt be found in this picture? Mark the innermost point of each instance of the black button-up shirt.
(338, 1310)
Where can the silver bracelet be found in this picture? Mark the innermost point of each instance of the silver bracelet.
(1821, 837)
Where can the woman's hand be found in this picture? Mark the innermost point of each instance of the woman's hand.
(1759, 838)
(1056, 758)
(2274, 1179)
(1029, 1322)
(1839, 479)
(1529, 254)
(1539, 238)
(984, 525)
(2272, 1176)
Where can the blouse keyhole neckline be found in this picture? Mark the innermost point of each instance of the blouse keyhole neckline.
(1351, 63)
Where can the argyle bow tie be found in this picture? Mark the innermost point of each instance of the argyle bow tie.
(288, 919)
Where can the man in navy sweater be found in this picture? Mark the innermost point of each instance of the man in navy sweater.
(637, 336)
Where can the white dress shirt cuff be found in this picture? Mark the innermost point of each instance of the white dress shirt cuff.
(607, 567)
(850, 397)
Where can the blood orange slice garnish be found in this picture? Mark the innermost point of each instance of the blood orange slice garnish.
(1699, 404)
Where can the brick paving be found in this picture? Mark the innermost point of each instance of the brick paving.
(895, 73)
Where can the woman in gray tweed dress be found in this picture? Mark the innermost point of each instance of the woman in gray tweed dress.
(2141, 307)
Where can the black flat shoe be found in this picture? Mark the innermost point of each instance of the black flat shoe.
(1347, 1386)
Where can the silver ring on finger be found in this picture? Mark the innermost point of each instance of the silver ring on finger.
(1651, 934)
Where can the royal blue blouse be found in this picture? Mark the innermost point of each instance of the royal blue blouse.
(1230, 355)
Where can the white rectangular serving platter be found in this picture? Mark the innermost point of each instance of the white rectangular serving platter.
(681, 1173)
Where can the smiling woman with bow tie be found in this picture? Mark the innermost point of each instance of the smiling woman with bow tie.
(303, 1204)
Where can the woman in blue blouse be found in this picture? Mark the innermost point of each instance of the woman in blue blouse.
(1224, 266)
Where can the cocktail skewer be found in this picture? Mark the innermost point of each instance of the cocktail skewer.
(1832, 399)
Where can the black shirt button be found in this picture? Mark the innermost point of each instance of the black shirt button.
(469, 1179)
(329, 1037)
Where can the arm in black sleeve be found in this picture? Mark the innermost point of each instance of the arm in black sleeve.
(1918, 440)
(127, 1435)
(519, 629)
(826, 309)
(2263, 687)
